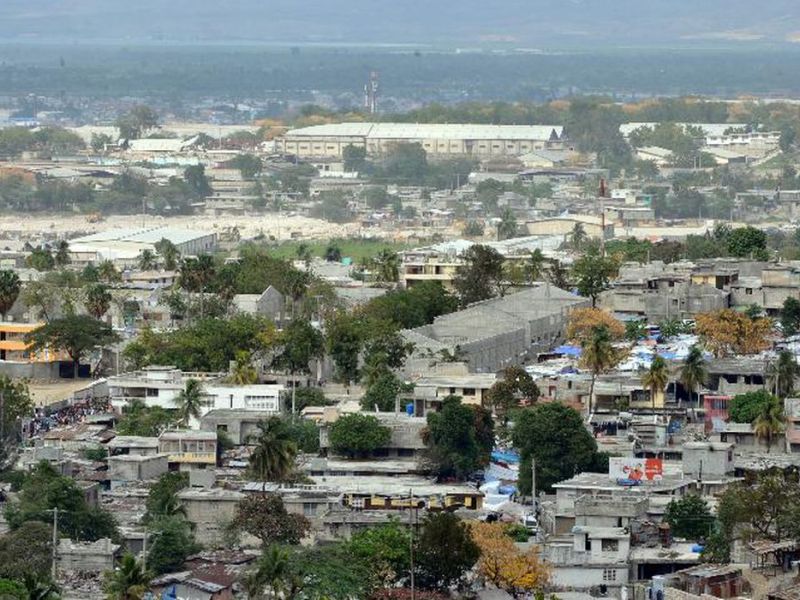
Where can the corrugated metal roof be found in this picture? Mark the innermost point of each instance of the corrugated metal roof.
(416, 131)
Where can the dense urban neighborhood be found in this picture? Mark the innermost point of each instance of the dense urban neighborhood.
(346, 348)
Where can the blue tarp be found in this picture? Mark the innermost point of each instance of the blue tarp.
(568, 350)
(507, 457)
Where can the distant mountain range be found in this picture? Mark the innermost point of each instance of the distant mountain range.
(517, 23)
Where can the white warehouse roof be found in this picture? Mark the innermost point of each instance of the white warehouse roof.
(415, 131)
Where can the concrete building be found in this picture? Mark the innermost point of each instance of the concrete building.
(270, 303)
(87, 557)
(238, 425)
(436, 139)
(188, 450)
(406, 436)
(133, 445)
(210, 510)
(430, 390)
(135, 467)
(791, 409)
(495, 333)
(563, 226)
(159, 386)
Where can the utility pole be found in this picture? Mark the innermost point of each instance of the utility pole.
(533, 483)
(144, 551)
(411, 539)
(55, 542)
(2, 422)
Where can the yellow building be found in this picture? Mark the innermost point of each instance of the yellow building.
(13, 347)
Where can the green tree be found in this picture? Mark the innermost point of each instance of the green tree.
(243, 372)
(406, 163)
(382, 391)
(17, 405)
(592, 273)
(354, 157)
(265, 517)
(556, 437)
(75, 334)
(272, 458)
(195, 178)
(534, 266)
(344, 341)
(98, 300)
(689, 517)
(454, 447)
(769, 422)
(302, 343)
(108, 273)
(147, 260)
(656, 378)
(385, 548)
(137, 122)
(748, 242)
(26, 552)
(138, 419)
(40, 259)
(598, 356)
(10, 287)
(790, 316)
(693, 373)
(248, 165)
(305, 435)
(190, 401)
(507, 228)
(100, 141)
(273, 575)
(12, 590)
(783, 373)
(357, 435)
(333, 253)
(387, 266)
(635, 330)
(173, 543)
(168, 252)
(61, 257)
(479, 278)
(445, 552)
(162, 497)
(128, 581)
(517, 385)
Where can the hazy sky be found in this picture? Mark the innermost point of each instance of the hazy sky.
(530, 23)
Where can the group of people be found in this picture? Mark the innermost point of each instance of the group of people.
(44, 420)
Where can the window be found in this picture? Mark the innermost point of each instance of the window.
(610, 545)
(309, 509)
(152, 392)
(469, 391)
(609, 574)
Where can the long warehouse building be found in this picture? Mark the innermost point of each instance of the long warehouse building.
(329, 141)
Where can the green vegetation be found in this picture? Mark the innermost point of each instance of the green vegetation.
(357, 435)
(357, 249)
(689, 517)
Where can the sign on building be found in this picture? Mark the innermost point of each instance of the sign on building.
(633, 471)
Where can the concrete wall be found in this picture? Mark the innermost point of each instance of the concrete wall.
(136, 468)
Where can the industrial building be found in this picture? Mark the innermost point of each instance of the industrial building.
(125, 245)
(329, 141)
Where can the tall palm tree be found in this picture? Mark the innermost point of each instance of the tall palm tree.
(10, 287)
(190, 401)
(656, 378)
(769, 422)
(694, 373)
(387, 266)
(578, 236)
(558, 274)
(272, 459)
(534, 268)
(243, 372)
(128, 581)
(40, 589)
(507, 228)
(108, 272)
(271, 577)
(147, 260)
(169, 253)
(598, 355)
(782, 374)
(98, 300)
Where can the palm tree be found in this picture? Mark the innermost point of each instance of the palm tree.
(333, 253)
(693, 373)
(167, 505)
(168, 252)
(769, 422)
(10, 287)
(108, 272)
(558, 274)
(272, 459)
(129, 581)
(62, 254)
(535, 266)
(782, 374)
(190, 401)
(656, 378)
(243, 371)
(578, 236)
(598, 356)
(147, 260)
(98, 300)
(40, 589)
(387, 266)
(507, 228)
(304, 253)
(271, 575)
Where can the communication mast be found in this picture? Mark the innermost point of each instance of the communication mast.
(371, 93)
